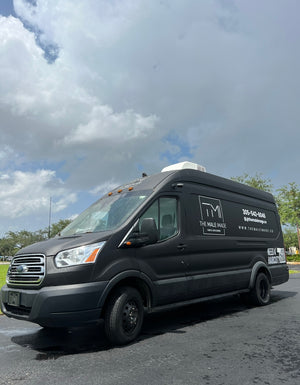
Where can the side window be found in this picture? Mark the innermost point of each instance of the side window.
(164, 211)
(152, 212)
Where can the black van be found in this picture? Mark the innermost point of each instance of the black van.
(170, 239)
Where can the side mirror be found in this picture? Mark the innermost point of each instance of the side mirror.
(147, 236)
(148, 227)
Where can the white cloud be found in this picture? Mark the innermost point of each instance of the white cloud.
(104, 187)
(28, 193)
(105, 124)
(32, 88)
(50, 105)
(220, 77)
(98, 22)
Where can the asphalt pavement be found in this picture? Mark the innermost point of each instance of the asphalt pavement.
(214, 343)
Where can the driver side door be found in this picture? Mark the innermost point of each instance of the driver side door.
(164, 261)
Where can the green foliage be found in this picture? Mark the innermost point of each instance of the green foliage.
(56, 228)
(293, 258)
(288, 200)
(17, 240)
(290, 237)
(14, 241)
(257, 181)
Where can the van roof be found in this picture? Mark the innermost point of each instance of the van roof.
(164, 178)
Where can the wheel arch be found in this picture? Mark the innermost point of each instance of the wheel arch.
(131, 278)
(259, 267)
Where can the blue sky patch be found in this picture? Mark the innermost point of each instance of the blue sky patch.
(180, 149)
(7, 8)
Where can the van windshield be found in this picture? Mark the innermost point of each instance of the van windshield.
(108, 213)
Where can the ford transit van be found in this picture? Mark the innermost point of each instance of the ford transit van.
(166, 240)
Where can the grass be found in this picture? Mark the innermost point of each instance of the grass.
(294, 271)
(293, 258)
(3, 271)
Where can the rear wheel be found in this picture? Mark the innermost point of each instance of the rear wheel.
(260, 294)
(124, 316)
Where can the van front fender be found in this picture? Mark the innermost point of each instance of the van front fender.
(126, 276)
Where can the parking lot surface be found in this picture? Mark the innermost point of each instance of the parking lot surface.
(217, 342)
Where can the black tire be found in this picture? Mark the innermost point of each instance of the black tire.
(124, 316)
(260, 294)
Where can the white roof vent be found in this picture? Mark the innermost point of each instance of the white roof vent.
(184, 165)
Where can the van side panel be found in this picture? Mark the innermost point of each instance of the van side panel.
(226, 234)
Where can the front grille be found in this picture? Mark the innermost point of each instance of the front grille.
(26, 270)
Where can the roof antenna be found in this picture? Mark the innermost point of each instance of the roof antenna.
(49, 227)
(144, 175)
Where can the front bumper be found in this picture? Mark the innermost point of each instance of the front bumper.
(56, 306)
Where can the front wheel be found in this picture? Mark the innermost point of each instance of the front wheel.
(260, 294)
(124, 316)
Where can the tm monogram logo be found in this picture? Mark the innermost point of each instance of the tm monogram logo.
(212, 219)
(211, 210)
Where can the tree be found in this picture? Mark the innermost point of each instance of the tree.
(257, 181)
(14, 241)
(288, 201)
(56, 228)
(290, 238)
(23, 238)
(7, 247)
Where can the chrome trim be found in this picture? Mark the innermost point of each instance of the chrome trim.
(27, 269)
(128, 232)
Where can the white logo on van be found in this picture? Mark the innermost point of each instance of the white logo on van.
(212, 219)
(211, 210)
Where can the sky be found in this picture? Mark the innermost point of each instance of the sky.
(95, 92)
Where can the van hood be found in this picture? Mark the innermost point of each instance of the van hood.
(55, 245)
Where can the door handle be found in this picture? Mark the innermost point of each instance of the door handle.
(181, 246)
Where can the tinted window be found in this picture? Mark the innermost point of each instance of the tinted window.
(164, 212)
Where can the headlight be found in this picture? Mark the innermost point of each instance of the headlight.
(79, 255)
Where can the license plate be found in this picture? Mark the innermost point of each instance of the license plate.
(13, 298)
